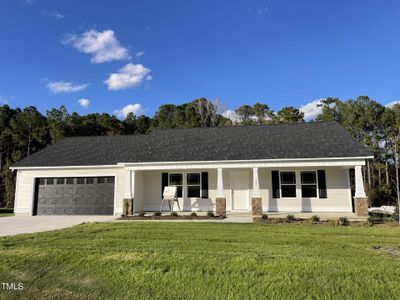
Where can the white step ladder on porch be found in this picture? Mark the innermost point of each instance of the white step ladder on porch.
(170, 195)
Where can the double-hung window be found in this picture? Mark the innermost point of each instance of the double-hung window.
(288, 184)
(176, 179)
(309, 184)
(193, 185)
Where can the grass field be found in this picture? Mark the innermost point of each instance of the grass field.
(153, 260)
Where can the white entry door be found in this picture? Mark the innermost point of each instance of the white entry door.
(240, 190)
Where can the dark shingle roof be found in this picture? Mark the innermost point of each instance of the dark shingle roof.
(300, 140)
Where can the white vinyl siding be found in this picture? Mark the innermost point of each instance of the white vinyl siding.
(152, 191)
(26, 185)
(337, 186)
(148, 189)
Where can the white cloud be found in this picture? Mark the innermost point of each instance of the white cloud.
(392, 103)
(136, 109)
(230, 114)
(84, 102)
(103, 46)
(139, 54)
(56, 15)
(311, 110)
(129, 76)
(53, 14)
(65, 87)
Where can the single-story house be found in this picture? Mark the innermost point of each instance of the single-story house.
(301, 167)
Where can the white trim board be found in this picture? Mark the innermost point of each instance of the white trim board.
(67, 167)
(267, 163)
(249, 164)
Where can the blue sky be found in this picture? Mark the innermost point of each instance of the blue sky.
(138, 55)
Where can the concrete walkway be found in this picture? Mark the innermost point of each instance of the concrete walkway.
(24, 224)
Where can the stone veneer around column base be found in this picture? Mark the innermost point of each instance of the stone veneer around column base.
(127, 207)
(220, 203)
(256, 206)
(361, 206)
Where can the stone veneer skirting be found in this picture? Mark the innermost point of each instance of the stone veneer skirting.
(361, 206)
(127, 208)
(220, 203)
(256, 206)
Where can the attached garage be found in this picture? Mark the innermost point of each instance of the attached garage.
(74, 196)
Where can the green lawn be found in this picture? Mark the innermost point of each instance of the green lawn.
(204, 261)
(6, 212)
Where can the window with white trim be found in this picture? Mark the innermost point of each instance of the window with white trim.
(176, 179)
(288, 184)
(309, 184)
(193, 182)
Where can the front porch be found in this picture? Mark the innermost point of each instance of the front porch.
(318, 187)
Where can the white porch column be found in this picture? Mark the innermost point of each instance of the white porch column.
(359, 183)
(220, 200)
(256, 185)
(256, 200)
(220, 183)
(129, 193)
(129, 184)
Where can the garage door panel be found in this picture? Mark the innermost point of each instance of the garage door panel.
(58, 210)
(68, 210)
(48, 210)
(74, 196)
(59, 192)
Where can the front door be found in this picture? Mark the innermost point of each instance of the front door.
(240, 190)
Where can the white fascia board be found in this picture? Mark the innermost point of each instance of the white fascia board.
(265, 163)
(68, 167)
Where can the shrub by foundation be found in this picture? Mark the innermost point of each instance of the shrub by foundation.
(315, 218)
(344, 221)
(290, 218)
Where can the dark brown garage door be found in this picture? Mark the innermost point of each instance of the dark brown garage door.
(74, 196)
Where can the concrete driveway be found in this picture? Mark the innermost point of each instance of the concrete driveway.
(23, 224)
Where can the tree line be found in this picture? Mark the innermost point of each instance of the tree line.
(26, 131)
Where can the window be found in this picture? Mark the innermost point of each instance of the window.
(101, 180)
(193, 185)
(42, 181)
(308, 184)
(80, 180)
(60, 181)
(70, 181)
(110, 179)
(288, 184)
(89, 180)
(176, 180)
(49, 181)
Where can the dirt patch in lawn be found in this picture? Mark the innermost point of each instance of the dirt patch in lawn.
(391, 250)
(327, 222)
